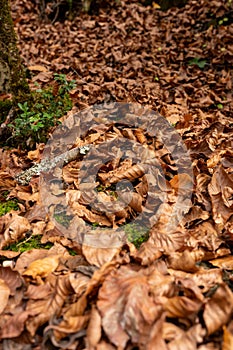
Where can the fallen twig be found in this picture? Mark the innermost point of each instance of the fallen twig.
(47, 164)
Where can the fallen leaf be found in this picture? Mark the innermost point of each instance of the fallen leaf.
(4, 294)
(42, 267)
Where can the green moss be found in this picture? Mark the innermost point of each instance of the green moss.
(72, 252)
(14, 77)
(34, 242)
(6, 207)
(63, 219)
(136, 234)
(5, 107)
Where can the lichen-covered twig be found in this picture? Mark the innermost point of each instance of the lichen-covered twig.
(47, 164)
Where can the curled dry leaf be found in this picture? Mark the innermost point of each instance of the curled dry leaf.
(15, 324)
(134, 172)
(26, 258)
(181, 182)
(79, 282)
(126, 307)
(182, 306)
(156, 340)
(218, 309)
(188, 340)
(224, 263)
(99, 256)
(12, 279)
(94, 329)
(6, 181)
(220, 190)
(14, 229)
(100, 247)
(42, 267)
(184, 261)
(40, 309)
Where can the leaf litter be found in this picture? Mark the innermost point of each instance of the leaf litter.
(175, 290)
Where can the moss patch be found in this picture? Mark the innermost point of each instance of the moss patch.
(34, 242)
(6, 207)
(136, 234)
(5, 107)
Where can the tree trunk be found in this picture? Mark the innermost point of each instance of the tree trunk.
(12, 74)
(167, 4)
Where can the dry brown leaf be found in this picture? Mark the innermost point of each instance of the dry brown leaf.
(14, 326)
(4, 294)
(227, 339)
(126, 307)
(220, 195)
(148, 253)
(12, 279)
(182, 306)
(99, 256)
(6, 181)
(14, 229)
(79, 282)
(37, 68)
(42, 267)
(184, 261)
(188, 340)
(166, 241)
(94, 329)
(132, 173)
(218, 309)
(156, 340)
(40, 310)
(170, 331)
(224, 263)
(181, 183)
(27, 257)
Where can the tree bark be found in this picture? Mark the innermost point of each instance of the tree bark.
(12, 74)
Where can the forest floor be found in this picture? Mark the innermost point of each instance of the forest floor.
(74, 277)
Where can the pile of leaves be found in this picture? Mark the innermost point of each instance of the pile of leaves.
(175, 290)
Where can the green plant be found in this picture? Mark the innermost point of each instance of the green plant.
(65, 85)
(197, 62)
(35, 118)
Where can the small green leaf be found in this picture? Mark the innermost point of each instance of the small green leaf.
(198, 62)
(220, 106)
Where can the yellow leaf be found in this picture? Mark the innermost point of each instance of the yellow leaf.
(155, 5)
(227, 339)
(42, 267)
(38, 68)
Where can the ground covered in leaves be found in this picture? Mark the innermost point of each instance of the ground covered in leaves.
(175, 290)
